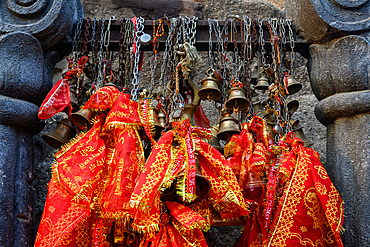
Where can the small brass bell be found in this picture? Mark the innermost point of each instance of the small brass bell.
(262, 83)
(292, 107)
(258, 109)
(203, 186)
(157, 125)
(300, 134)
(254, 77)
(209, 90)
(253, 187)
(228, 127)
(237, 100)
(293, 86)
(294, 124)
(188, 112)
(214, 141)
(82, 117)
(162, 119)
(61, 134)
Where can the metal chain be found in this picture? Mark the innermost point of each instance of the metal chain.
(292, 45)
(168, 46)
(93, 41)
(76, 40)
(193, 30)
(99, 81)
(138, 31)
(86, 36)
(262, 43)
(210, 43)
(121, 52)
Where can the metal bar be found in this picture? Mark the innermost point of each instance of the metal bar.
(202, 37)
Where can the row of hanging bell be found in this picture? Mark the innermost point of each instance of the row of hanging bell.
(293, 86)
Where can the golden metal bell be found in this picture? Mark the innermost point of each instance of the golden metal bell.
(61, 134)
(253, 187)
(258, 109)
(214, 142)
(237, 100)
(262, 83)
(82, 117)
(202, 189)
(295, 124)
(292, 107)
(157, 125)
(293, 86)
(189, 111)
(300, 134)
(209, 90)
(228, 127)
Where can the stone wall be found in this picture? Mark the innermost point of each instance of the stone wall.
(204, 9)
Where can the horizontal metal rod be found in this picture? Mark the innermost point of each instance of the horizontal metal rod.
(201, 37)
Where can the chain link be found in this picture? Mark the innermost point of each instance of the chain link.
(138, 31)
(99, 81)
(76, 39)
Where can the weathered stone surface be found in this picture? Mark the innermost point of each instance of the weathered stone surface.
(20, 52)
(339, 66)
(344, 15)
(48, 21)
(348, 161)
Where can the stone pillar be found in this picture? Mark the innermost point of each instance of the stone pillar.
(339, 70)
(29, 31)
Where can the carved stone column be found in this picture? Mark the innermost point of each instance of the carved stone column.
(339, 70)
(29, 29)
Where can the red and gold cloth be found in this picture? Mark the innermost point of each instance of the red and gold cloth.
(161, 167)
(94, 177)
(310, 211)
(188, 218)
(59, 96)
(103, 99)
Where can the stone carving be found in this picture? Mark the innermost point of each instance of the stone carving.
(339, 66)
(48, 21)
(345, 15)
(29, 29)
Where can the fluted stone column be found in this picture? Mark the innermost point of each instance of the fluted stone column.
(339, 70)
(30, 31)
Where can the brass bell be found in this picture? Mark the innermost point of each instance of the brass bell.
(189, 111)
(293, 86)
(258, 109)
(254, 77)
(228, 127)
(61, 134)
(214, 142)
(82, 117)
(202, 185)
(157, 125)
(292, 107)
(300, 134)
(209, 90)
(295, 124)
(253, 187)
(162, 119)
(262, 83)
(202, 189)
(237, 100)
